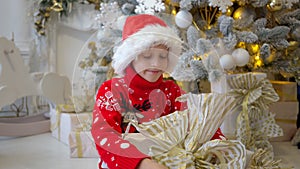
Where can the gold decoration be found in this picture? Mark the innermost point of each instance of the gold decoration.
(243, 12)
(258, 62)
(241, 45)
(253, 48)
(182, 139)
(46, 7)
(229, 11)
(57, 6)
(275, 5)
(210, 15)
(255, 123)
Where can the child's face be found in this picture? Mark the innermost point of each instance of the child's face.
(151, 63)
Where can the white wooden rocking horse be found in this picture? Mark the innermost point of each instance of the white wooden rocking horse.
(16, 82)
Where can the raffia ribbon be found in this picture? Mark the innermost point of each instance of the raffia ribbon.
(182, 139)
(255, 123)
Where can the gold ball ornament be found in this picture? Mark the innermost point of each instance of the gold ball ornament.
(243, 12)
(275, 5)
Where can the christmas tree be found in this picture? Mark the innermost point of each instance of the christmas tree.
(247, 36)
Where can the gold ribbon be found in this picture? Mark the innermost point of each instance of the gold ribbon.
(78, 144)
(58, 110)
(255, 95)
(182, 139)
(56, 125)
(244, 116)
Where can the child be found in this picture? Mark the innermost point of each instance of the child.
(149, 48)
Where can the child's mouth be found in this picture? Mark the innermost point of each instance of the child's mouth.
(153, 71)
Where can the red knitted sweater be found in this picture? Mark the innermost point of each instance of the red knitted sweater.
(130, 97)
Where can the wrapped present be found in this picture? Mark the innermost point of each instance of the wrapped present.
(81, 145)
(252, 123)
(64, 120)
(286, 117)
(181, 140)
(255, 124)
(287, 91)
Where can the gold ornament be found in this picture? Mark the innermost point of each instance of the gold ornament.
(275, 5)
(243, 13)
(89, 62)
(82, 64)
(210, 15)
(253, 48)
(241, 45)
(57, 6)
(229, 11)
(102, 62)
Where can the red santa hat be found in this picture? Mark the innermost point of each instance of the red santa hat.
(140, 32)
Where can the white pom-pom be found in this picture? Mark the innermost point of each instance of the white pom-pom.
(183, 19)
(121, 22)
(227, 62)
(240, 56)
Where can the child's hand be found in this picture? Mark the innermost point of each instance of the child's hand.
(150, 164)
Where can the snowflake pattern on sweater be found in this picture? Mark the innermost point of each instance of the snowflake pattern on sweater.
(129, 98)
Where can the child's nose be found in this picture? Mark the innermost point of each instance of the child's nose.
(156, 61)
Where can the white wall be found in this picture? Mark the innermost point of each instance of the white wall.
(14, 20)
(14, 17)
(70, 41)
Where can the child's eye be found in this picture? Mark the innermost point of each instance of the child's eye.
(163, 56)
(147, 56)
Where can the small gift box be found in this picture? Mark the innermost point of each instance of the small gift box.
(82, 145)
(287, 91)
(64, 120)
(286, 117)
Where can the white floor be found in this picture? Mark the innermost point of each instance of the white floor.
(45, 152)
(40, 152)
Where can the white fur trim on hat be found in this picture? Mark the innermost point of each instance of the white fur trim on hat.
(144, 39)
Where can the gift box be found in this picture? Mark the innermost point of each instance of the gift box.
(287, 91)
(286, 117)
(64, 120)
(82, 145)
